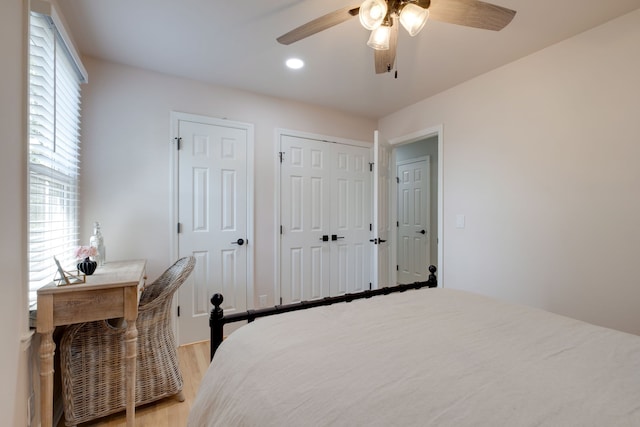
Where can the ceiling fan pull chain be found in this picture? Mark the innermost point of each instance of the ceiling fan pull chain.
(395, 74)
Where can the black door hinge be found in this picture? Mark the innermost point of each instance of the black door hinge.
(179, 228)
(178, 311)
(397, 180)
(370, 285)
(281, 155)
(370, 167)
(178, 143)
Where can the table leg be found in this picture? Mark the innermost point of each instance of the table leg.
(47, 350)
(131, 338)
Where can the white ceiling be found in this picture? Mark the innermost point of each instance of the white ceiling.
(233, 43)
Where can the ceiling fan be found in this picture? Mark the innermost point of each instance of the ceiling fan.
(382, 16)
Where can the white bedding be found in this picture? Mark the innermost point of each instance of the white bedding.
(431, 357)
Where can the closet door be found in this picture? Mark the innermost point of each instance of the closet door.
(350, 219)
(305, 211)
(325, 210)
(214, 216)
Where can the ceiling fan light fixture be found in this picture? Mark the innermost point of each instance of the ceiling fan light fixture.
(372, 13)
(379, 38)
(413, 18)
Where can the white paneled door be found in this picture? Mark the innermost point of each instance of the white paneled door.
(213, 212)
(325, 210)
(383, 275)
(350, 219)
(413, 221)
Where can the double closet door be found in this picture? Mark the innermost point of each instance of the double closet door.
(325, 213)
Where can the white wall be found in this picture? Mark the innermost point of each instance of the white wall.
(542, 156)
(14, 355)
(125, 156)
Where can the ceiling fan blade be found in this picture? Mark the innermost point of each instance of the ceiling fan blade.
(470, 13)
(385, 59)
(319, 24)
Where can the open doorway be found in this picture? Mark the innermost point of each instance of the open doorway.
(413, 226)
(425, 145)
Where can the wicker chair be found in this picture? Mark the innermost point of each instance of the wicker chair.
(91, 355)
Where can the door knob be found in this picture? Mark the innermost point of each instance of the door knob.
(335, 237)
(239, 242)
(421, 232)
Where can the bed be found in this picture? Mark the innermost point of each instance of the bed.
(429, 357)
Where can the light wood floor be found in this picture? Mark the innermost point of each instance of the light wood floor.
(194, 361)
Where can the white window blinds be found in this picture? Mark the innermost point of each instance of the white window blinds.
(54, 149)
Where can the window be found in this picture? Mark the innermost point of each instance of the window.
(54, 149)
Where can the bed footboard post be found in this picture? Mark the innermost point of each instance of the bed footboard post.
(216, 323)
(433, 280)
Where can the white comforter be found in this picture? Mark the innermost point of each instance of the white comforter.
(433, 357)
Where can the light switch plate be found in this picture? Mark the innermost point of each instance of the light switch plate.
(459, 221)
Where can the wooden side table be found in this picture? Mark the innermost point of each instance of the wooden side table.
(112, 291)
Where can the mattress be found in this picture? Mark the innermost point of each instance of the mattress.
(430, 357)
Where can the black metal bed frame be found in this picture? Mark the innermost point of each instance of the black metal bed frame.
(217, 320)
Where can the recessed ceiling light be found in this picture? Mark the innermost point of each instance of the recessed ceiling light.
(295, 63)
